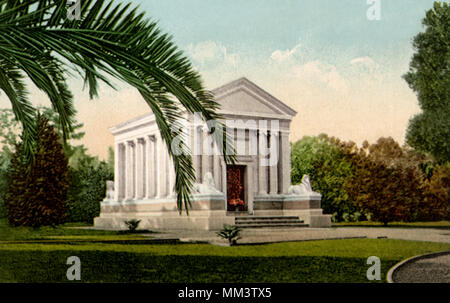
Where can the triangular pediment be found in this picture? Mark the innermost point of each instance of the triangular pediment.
(243, 97)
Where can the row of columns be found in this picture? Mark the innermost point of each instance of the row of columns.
(144, 169)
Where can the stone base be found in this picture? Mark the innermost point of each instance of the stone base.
(207, 212)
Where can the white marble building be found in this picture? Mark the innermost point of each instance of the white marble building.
(258, 184)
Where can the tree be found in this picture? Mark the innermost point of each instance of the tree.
(324, 161)
(36, 193)
(108, 40)
(429, 77)
(87, 188)
(384, 182)
(435, 204)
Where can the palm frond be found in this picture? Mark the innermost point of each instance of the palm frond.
(112, 40)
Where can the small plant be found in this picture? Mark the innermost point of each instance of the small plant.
(132, 224)
(230, 233)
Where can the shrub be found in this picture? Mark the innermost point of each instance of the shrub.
(132, 225)
(87, 189)
(230, 233)
(37, 188)
(385, 181)
(324, 161)
(435, 204)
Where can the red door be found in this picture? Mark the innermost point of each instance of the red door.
(236, 188)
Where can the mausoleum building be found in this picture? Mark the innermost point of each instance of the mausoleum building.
(256, 186)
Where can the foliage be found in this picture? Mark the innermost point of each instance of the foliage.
(10, 130)
(323, 160)
(37, 191)
(435, 204)
(230, 233)
(87, 189)
(429, 77)
(109, 40)
(386, 182)
(132, 224)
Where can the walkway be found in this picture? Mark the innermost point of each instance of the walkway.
(304, 234)
(424, 270)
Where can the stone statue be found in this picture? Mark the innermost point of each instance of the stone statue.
(207, 187)
(109, 190)
(303, 188)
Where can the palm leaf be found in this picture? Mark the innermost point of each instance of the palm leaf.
(109, 40)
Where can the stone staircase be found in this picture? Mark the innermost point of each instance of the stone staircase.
(269, 222)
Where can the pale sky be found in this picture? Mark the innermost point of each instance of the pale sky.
(340, 71)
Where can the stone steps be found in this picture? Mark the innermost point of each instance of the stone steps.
(269, 222)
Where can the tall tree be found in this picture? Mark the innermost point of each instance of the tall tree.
(429, 77)
(37, 40)
(37, 192)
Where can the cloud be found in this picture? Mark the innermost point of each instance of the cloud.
(211, 53)
(363, 61)
(317, 72)
(284, 55)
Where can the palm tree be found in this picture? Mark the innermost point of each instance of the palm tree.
(38, 41)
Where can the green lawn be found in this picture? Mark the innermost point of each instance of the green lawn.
(310, 261)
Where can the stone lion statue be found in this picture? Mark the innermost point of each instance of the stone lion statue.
(207, 187)
(109, 190)
(303, 188)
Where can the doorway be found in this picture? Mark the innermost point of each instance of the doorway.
(236, 188)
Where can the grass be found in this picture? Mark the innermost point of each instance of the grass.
(63, 232)
(436, 224)
(311, 261)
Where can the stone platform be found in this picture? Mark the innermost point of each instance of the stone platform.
(208, 212)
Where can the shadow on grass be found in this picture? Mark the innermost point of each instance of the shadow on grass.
(96, 266)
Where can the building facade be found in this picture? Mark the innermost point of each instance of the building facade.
(257, 184)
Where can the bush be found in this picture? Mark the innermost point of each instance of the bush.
(87, 189)
(132, 225)
(386, 181)
(230, 233)
(324, 161)
(435, 204)
(37, 188)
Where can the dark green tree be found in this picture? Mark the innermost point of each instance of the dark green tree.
(324, 161)
(37, 191)
(429, 78)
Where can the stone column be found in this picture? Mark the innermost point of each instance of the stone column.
(262, 168)
(274, 157)
(129, 170)
(140, 169)
(223, 166)
(164, 175)
(117, 172)
(206, 158)
(120, 179)
(285, 162)
(250, 190)
(171, 179)
(159, 166)
(150, 168)
(253, 149)
(197, 151)
(217, 172)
